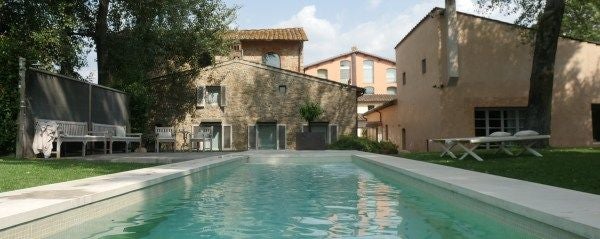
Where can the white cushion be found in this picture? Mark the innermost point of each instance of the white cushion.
(120, 131)
(164, 135)
(500, 134)
(527, 133)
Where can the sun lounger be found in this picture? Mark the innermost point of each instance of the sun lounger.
(470, 144)
(117, 133)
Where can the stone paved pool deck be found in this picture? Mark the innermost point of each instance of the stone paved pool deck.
(573, 211)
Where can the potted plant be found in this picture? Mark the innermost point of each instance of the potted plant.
(310, 111)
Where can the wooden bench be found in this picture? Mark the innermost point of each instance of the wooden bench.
(117, 133)
(71, 131)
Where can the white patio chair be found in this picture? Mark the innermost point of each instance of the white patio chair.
(202, 136)
(164, 135)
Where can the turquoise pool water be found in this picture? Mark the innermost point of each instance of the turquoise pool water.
(293, 199)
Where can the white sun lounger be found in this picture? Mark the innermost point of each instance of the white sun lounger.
(524, 141)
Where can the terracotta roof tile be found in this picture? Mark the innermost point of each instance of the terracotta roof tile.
(376, 98)
(286, 34)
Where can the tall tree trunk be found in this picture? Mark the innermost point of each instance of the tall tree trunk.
(542, 71)
(100, 39)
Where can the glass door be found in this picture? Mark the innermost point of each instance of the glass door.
(266, 134)
(216, 134)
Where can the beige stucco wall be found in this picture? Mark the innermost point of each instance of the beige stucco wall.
(495, 65)
(252, 96)
(419, 104)
(380, 66)
(387, 118)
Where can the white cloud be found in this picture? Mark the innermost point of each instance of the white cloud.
(378, 36)
(374, 3)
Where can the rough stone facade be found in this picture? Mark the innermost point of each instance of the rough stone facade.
(254, 95)
(290, 52)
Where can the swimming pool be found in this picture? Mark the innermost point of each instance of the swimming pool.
(301, 198)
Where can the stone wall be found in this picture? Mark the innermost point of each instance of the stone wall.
(290, 52)
(253, 95)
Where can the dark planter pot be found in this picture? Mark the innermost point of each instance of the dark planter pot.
(310, 141)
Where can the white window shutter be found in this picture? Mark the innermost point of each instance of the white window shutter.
(200, 96)
(333, 133)
(223, 96)
(251, 137)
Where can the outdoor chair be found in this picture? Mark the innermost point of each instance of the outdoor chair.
(164, 135)
(202, 136)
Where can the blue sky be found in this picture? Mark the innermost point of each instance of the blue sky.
(334, 26)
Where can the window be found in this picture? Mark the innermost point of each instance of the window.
(390, 75)
(368, 71)
(211, 95)
(369, 90)
(403, 78)
(282, 89)
(370, 107)
(403, 139)
(424, 66)
(322, 73)
(344, 71)
(236, 47)
(272, 59)
(387, 133)
(596, 121)
(391, 90)
(490, 120)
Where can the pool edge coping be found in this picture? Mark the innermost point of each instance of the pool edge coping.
(19, 209)
(571, 219)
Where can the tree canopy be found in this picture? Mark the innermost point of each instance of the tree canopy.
(134, 41)
(581, 19)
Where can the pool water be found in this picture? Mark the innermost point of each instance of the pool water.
(292, 199)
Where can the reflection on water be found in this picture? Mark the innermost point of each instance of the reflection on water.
(289, 200)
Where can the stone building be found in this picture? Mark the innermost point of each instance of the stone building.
(477, 83)
(251, 98)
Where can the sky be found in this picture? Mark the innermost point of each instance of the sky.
(334, 26)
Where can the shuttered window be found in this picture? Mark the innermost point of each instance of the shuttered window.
(281, 140)
(200, 99)
(251, 137)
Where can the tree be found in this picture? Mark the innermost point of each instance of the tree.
(310, 111)
(546, 18)
(42, 32)
(174, 34)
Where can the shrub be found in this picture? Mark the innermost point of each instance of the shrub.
(347, 142)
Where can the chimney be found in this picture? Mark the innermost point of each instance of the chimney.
(452, 41)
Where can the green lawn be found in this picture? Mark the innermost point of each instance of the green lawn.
(577, 169)
(24, 173)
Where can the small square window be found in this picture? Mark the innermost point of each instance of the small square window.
(424, 66)
(282, 89)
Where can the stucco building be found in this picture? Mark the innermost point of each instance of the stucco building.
(470, 77)
(376, 74)
(251, 98)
